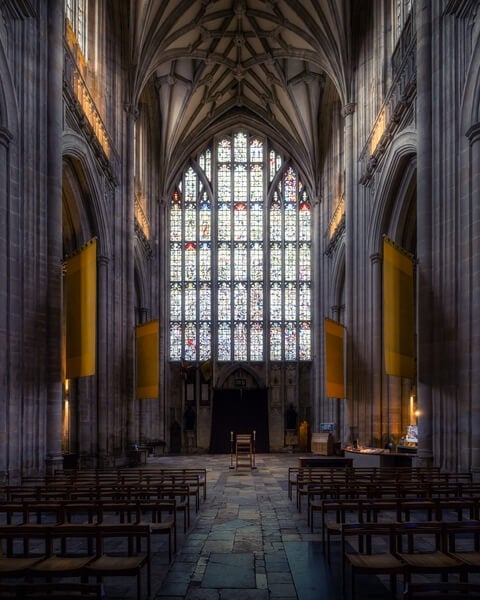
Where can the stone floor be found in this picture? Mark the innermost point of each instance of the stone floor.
(248, 541)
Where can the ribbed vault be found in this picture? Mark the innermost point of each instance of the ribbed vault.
(261, 62)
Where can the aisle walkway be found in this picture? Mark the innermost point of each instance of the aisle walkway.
(248, 542)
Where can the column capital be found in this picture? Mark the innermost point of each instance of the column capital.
(348, 109)
(375, 258)
(103, 260)
(5, 137)
(473, 134)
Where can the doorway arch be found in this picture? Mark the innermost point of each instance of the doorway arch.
(239, 405)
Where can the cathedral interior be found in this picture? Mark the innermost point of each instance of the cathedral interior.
(224, 216)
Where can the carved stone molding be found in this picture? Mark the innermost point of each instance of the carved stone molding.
(5, 137)
(473, 134)
(348, 109)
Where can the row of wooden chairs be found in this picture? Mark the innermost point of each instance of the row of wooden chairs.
(362, 474)
(191, 475)
(408, 549)
(52, 591)
(386, 489)
(84, 492)
(77, 550)
(161, 515)
(334, 513)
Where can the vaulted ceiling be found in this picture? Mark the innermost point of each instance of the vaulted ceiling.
(216, 63)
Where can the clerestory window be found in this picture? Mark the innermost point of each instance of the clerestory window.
(76, 13)
(240, 256)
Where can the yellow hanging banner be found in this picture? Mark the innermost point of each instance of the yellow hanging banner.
(398, 311)
(334, 359)
(80, 289)
(147, 360)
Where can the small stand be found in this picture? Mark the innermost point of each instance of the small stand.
(254, 466)
(231, 451)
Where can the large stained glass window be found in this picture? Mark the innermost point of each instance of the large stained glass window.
(240, 256)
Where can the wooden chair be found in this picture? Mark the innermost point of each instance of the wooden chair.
(131, 554)
(463, 544)
(369, 549)
(441, 591)
(421, 546)
(52, 591)
(16, 557)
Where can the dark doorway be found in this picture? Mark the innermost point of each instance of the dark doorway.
(240, 411)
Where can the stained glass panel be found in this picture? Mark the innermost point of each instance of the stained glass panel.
(190, 299)
(240, 261)
(290, 300)
(175, 302)
(256, 341)
(175, 341)
(204, 257)
(224, 302)
(240, 341)
(190, 349)
(240, 302)
(205, 303)
(276, 256)
(256, 261)
(224, 341)
(256, 150)
(190, 261)
(276, 349)
(290, 341)
(256, 221)
(276, 302)
(175, 262)
(256, 302)
(224, 262)
(205, 338)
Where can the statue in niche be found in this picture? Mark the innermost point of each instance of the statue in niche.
(291, 418)
(189, 418)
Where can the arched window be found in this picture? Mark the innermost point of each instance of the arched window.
(240, 256)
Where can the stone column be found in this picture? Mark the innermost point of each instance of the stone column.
(103, 399)
(348, 112)
(6, 367)
(474, 194)
(425, 302)
(129, 147)
(377, 345)
(54, 233)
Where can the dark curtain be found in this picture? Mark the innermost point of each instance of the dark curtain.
(240, 411)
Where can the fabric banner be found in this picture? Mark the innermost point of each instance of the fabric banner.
(398, 311)
(147, 360)
(81, 312)
(334, 359)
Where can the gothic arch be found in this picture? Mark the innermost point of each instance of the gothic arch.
(394, 193)
(81, 182)
(338, 278)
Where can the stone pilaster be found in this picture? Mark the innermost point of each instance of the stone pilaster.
(54, 233)
(426, 306)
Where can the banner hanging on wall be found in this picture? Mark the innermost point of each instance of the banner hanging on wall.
(147, 360)
(398, 311)
(334, 359)
(80, 289)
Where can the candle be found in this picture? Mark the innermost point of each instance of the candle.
(231, 436)
(254, 434)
